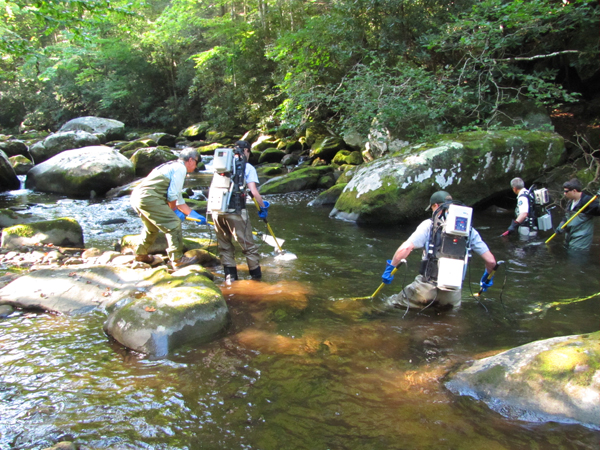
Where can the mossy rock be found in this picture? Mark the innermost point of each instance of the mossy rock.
(551, 380)
(270, 170)
(135, 145)
(146, 159)
(130, 241)
(20, 164)
(196, 132)
(327, 147)
(328, 197)
(473, 167)
(64, 232)
(297, 180)
(271, 155)
(209, 149)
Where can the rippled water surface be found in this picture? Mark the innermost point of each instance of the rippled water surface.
(303, 366)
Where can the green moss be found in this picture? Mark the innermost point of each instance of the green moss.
(492, 376)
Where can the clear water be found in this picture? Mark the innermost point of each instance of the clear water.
(303, 366)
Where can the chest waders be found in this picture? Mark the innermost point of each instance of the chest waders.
(447, 251)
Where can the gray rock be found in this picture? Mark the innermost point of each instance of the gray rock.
(8, 177)
(13, 147)
(146, 159)
(551, 380)
(9, 218)
(111, 129)
(471, 166)
(60, 232)
(79, 172)
(150, 312)
(61, 141)
(165, 139)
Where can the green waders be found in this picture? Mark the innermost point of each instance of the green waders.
(149, 200)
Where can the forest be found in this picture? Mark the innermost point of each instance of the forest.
(419, 67)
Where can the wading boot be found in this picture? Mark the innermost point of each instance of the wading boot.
(256, 274)
(230, 273)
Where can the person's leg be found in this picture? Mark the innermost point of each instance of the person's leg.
(418, 294)
(243, 234)
(156, 215)
(224, 239)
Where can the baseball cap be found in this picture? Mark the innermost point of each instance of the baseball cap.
(438, 197)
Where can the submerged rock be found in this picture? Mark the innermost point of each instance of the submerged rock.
(471, 166)
(555, 380)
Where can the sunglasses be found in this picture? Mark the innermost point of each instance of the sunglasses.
(567, 190)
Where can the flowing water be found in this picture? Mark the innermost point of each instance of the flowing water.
(303, 365)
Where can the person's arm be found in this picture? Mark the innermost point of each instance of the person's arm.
(402, 252)
(254, 190)
(490, 261)
(184, 209)
(521, 218)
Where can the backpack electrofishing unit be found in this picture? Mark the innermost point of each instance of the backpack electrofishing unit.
(448, 250)
(541, 198)
(227, 192)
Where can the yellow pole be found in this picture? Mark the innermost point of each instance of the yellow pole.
(403, 261)
(569, 221)
(268, 226)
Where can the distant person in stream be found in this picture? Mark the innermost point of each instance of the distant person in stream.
(525, 220)
(580, 231)
(160, 205)
(446, 239)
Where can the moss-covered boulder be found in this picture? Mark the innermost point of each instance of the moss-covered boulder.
(111, 129)
(328, 197)
(146, 159)
(297, 180)
(136, 145)
(327, 148)
(473, 167)
(20, 164)
(271, 155)
(264, 142)
(61, 141)
(150, 311)
(165, 139)
(344, 157)
(8, 177)
(270, 170)
(209, 149)
(63, 232)
(196, 132)
(76, 173)
(13, 147)
(554, 380)
(176, 310)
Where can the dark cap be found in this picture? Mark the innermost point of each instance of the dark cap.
(242, 144)
(439, 197)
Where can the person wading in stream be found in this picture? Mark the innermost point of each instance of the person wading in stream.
(444, 256)
(160, 205)
(234, 223)
(525, 221)
(580, 231)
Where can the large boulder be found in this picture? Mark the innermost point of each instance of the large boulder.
(13, 147)
(8, 177)
(78, 172)
(111, 129)
(61, 141)
(297, 180)
(162, 139)
(146, 159)
(63, 232)
(178, 309)
(150, 311)
(327, 148)
(556, 380)
(271, 155)
(471, 166)
(196, 132)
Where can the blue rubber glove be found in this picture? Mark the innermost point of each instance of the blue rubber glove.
(263, 210)
(485, 283)
(179, 214)
(200, 217)
(387, 276)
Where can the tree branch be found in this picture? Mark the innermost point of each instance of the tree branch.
(531, 58)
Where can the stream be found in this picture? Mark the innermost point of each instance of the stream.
(312, 369)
